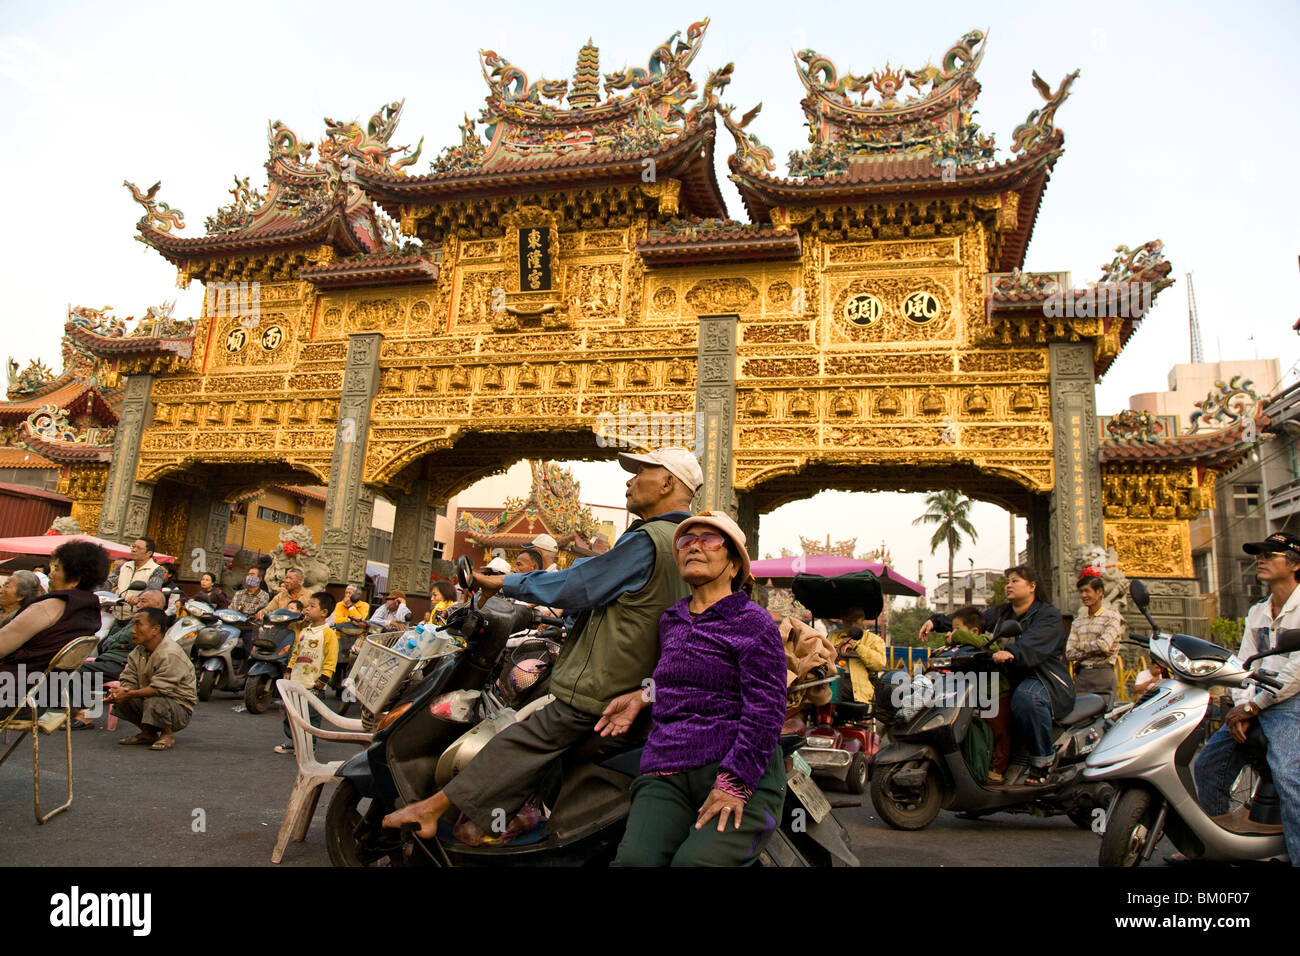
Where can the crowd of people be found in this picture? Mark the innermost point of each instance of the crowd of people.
(671, 608)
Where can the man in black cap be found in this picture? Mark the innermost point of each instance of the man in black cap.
(1277, 565)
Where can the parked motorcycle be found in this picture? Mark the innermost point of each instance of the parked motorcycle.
(923, 770)
(270, 659)
(415, 751)
(220, 648)
(1147, 757)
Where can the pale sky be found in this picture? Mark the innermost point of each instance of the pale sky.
(1180, 127)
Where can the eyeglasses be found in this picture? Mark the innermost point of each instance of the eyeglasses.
(709, 541)
(1272, 554)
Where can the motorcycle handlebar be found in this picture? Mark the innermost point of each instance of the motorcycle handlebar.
(1266, 680)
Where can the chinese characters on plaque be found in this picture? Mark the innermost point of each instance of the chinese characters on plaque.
(534, 259)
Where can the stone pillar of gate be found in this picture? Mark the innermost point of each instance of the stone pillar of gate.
(1076, 515)
(414, 530)
(205, 536)
(349, 504)
(715, 412)
(125, 512)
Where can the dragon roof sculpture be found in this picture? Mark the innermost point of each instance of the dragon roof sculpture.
(304, 203)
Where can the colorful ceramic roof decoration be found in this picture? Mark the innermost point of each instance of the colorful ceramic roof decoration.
(305, 203)
(542, 133)
(552, 506)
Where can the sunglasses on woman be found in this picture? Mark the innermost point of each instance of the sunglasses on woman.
(709, 541)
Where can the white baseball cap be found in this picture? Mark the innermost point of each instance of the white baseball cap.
(499, 565)
(679, 462)
(545, 542)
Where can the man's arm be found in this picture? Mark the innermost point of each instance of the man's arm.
(624, 568)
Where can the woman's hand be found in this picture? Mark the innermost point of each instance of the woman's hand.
(1001, 657)
(618, 717)
(725, 806)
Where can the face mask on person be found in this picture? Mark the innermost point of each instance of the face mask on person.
(250, 582)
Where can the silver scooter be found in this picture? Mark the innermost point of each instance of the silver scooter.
(223, 663)
(1147, 755)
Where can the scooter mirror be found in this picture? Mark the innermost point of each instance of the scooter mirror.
(138, 586)
(1009, 629)
(1287, 641)
(1138, 591)
(464, 573)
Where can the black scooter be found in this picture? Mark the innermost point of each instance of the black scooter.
(590, 803)
(270, 658)
(922, 770)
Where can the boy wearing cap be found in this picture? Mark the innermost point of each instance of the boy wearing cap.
(613, 648)
(1277, 565)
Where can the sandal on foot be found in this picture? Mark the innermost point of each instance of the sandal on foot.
(1036, 777)
(83, 725)
(163, 743)
(139, 740)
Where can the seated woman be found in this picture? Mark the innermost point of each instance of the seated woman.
(21, 589)
(209, 593)
(68, 611)
(718, 705)
(441, 601)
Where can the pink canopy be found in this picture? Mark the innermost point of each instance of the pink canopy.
(783, 570)
(46, 543)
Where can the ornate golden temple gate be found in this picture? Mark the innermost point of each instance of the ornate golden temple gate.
(869, 329)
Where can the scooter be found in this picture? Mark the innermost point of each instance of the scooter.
(186, 629)
(270, 659)
(415, 751)
(220, 647)
(1147, 757)
(923, 769)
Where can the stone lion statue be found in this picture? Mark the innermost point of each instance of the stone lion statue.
(298, 550)
(1115, 584)
(66, 525)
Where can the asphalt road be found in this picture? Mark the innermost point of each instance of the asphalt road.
(134, 807)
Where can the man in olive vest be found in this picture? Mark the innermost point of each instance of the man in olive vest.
(624, 592)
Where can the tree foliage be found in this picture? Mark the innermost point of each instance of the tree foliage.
(949, 511)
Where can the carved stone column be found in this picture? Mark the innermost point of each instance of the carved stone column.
(715, 412)
(414, 529)
(1076, 514)
(125, 511)
(205, 536)
(350, 505)
(1039, 546)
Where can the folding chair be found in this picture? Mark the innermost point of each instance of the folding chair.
(69, 658)
(312, 774)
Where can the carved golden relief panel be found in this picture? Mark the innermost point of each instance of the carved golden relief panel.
(1152, 549)
(686, 293)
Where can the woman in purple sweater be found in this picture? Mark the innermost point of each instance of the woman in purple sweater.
(712, 781)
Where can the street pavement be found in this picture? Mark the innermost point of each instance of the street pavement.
(134, 807)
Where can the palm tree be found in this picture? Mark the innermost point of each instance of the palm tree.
(951, 512)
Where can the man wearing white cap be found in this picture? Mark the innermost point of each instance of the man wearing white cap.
(549, 548)
(613, 648)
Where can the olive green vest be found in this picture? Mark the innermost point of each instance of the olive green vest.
(619, 646)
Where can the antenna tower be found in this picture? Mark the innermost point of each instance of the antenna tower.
(1198, 354)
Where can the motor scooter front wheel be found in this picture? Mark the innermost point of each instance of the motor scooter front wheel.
(346, 810)
(1127, 829)
(206, 682)
(910, 807)
(257, 693)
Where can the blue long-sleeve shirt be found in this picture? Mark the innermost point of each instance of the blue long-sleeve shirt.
(591, 582)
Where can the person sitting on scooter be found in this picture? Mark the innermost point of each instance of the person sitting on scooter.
(865, 650)
(441, 601)
(719, 702)
(393, 614)
(611, 651)
(290, 590)
(315, 655)
(209, 593)
(351, 608)
(968, 630)
(1277, 565)
(1042, 689)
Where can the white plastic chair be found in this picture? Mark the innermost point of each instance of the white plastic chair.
(312, 774)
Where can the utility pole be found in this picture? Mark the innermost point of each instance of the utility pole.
(1011, 539)
(1198, 354)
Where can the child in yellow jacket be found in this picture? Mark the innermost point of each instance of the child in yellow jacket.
(314, 656)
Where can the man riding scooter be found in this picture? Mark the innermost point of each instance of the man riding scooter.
(1277, 565)
(613, 649)
(1035, 663)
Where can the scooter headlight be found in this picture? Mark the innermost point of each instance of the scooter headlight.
(1195, 668)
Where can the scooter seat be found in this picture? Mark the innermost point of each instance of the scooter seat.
(628, 762)
(1085, 707)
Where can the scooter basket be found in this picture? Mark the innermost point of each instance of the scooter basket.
(380, 671)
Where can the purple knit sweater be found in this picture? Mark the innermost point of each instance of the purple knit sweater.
(719, 690)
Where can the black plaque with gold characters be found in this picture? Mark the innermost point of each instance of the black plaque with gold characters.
(534, 259)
